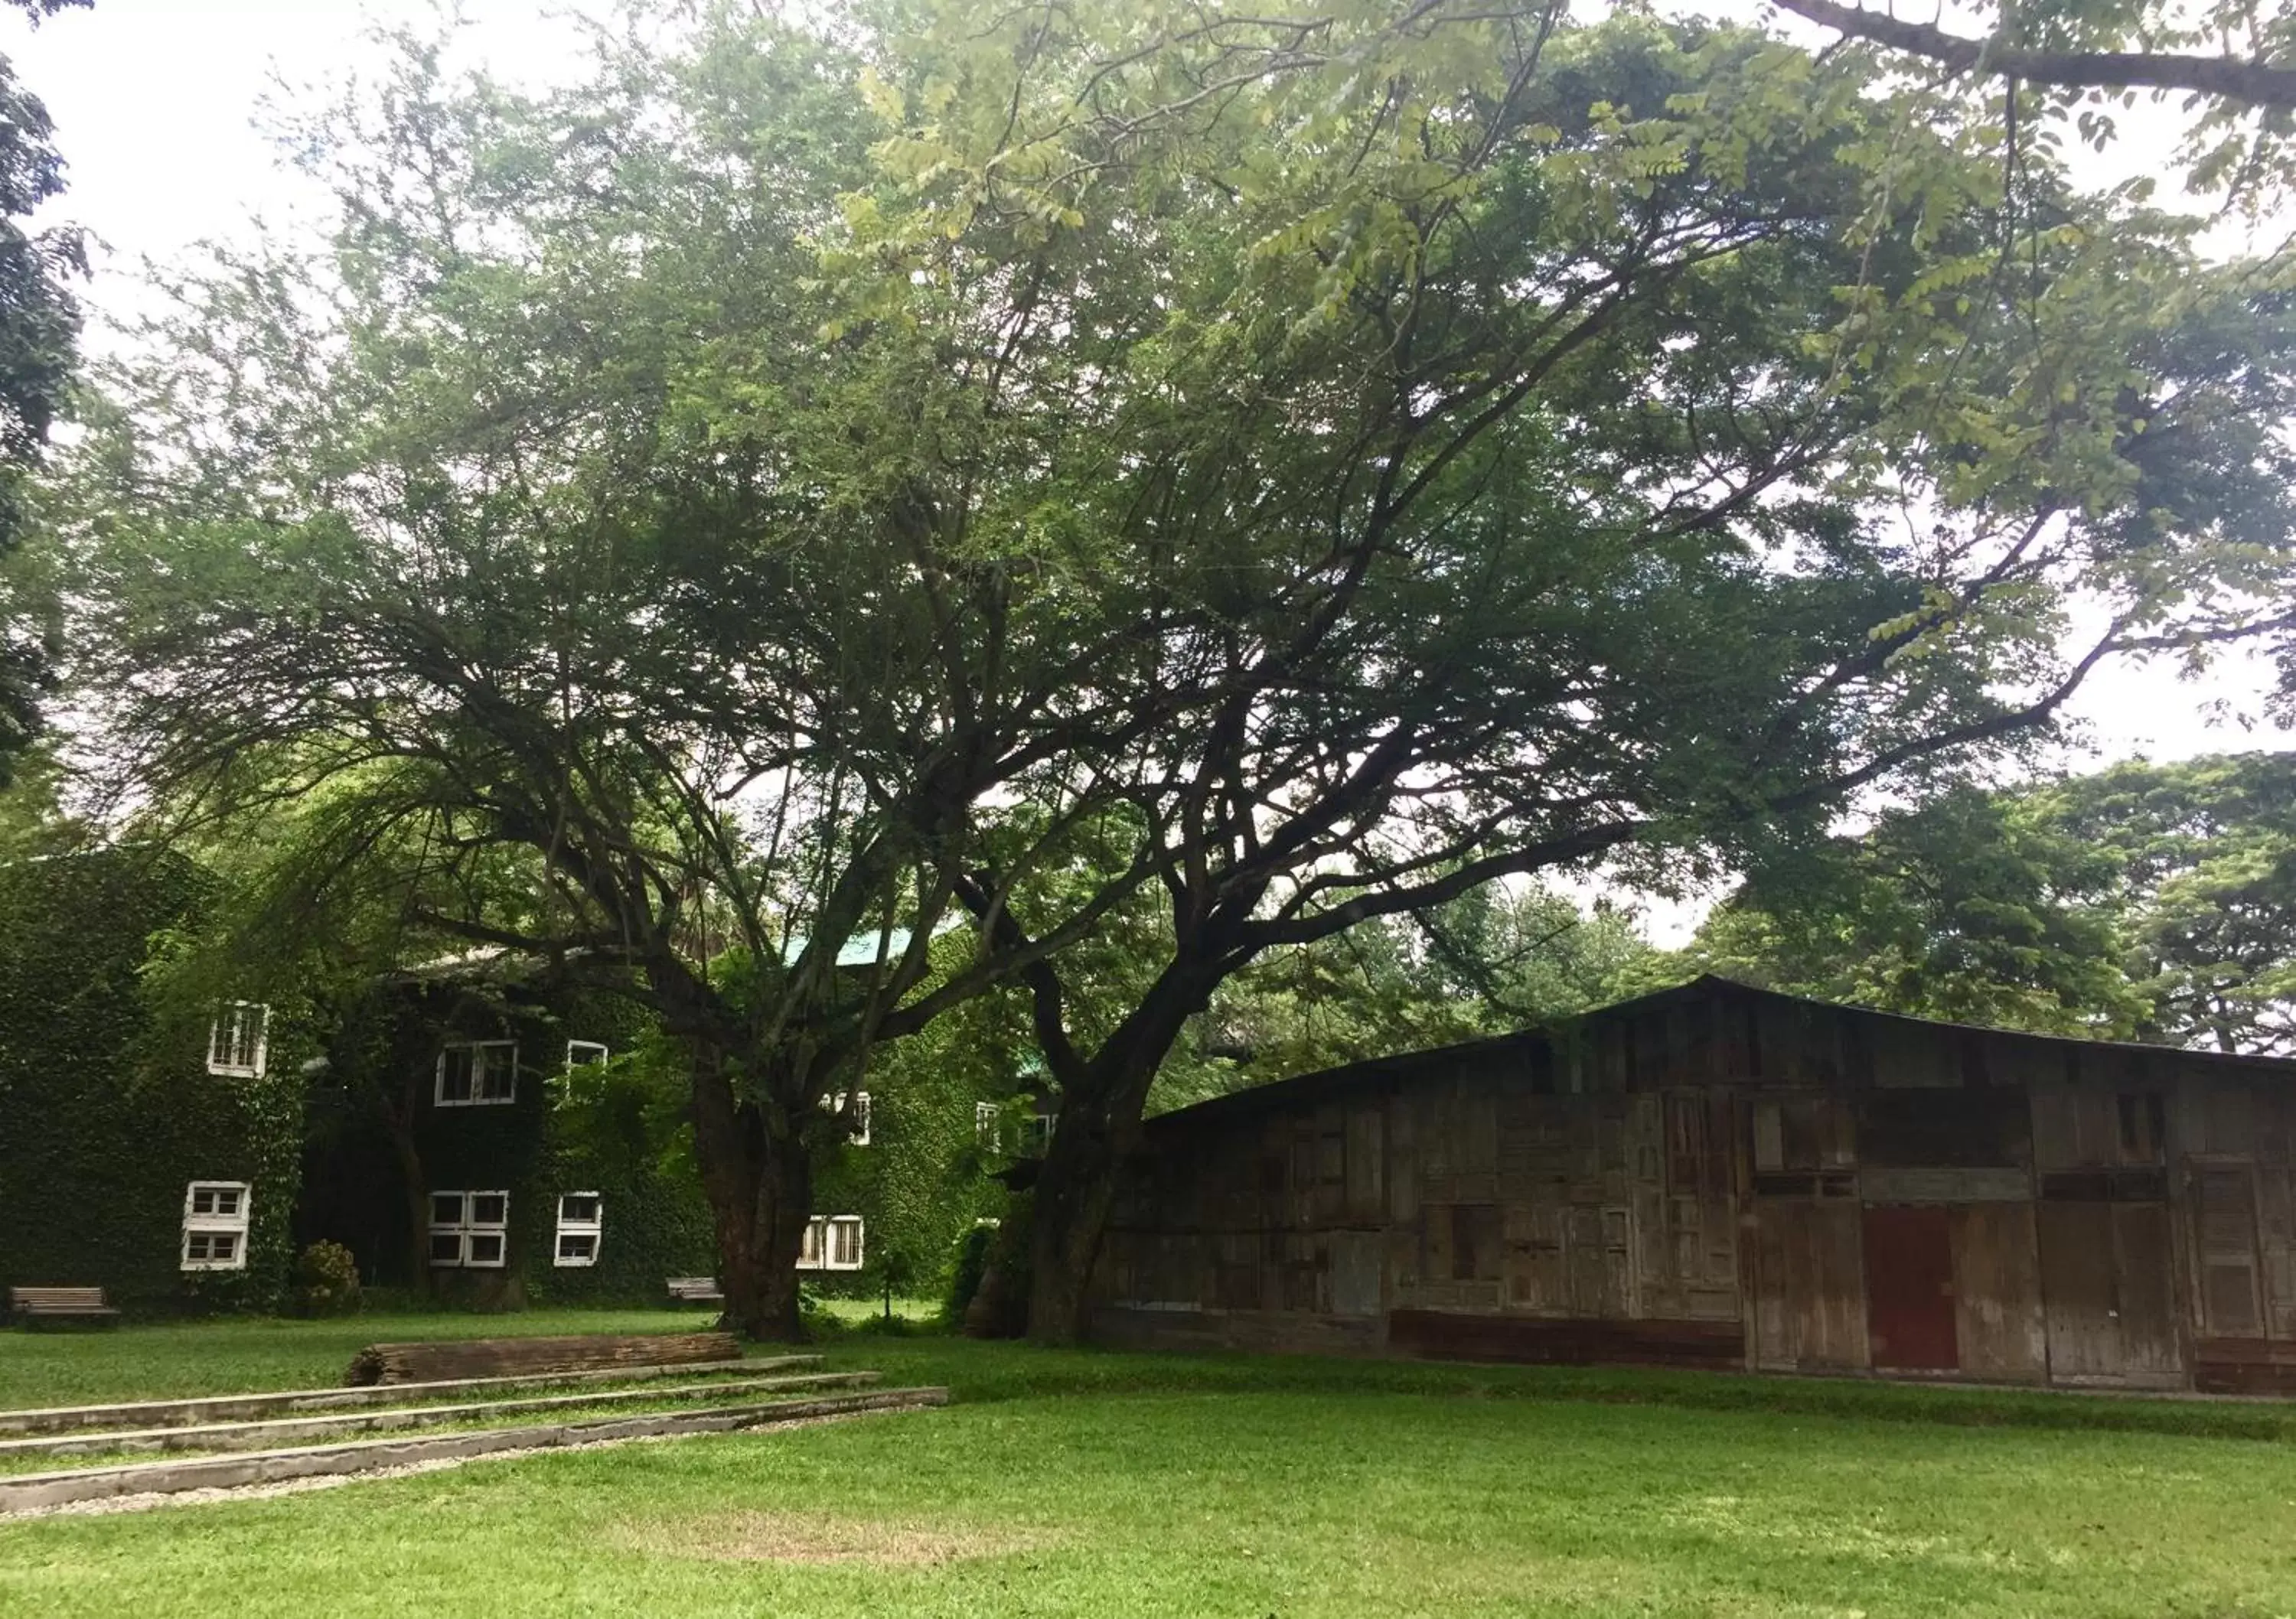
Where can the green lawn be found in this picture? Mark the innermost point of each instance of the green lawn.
(1126, 1484)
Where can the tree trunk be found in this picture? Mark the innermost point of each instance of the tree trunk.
(1101, 1106)
(417, 1194)
(759, 1182)
(1075, 1192)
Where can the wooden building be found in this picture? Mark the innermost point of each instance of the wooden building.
(1723, 1176)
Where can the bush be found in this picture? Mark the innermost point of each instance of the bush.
(326, 1280)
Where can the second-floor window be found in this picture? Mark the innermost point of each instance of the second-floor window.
(235, 1040)
(476, 1073)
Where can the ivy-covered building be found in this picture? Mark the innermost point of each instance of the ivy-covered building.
(151, 1122)
(473, 1131)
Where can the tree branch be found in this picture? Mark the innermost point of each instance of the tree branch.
(2254, 83)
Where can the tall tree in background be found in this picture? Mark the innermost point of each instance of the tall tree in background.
(2152, 902)
(2206, 851)
(39, 333)
(1491, 961)
(1970, 908)
(1533, 413)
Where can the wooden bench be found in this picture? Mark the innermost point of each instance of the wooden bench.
(695, 1289)
(31, 1304)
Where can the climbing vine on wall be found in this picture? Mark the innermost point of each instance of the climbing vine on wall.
(107, 1110)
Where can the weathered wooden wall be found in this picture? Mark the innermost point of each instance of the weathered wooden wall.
(1720, 1176)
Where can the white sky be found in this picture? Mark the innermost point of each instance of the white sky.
(154, 104)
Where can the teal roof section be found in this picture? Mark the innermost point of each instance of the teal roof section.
(867, 949)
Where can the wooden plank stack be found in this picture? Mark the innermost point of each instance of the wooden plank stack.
(427, 1362)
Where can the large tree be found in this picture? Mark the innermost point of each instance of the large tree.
(538, 535)
(1578, 441)
(1294, 470)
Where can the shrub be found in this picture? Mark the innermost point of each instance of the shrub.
(326, 1280)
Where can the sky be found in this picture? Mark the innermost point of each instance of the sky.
(156, 108)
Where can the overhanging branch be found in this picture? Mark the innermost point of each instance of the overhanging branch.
(2253, 83)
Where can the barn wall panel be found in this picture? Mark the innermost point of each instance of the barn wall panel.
(1996, 1272)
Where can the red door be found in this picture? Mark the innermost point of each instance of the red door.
(1909, 1289)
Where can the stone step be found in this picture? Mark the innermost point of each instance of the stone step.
(221, 1408)
(280, 1430)
(35, 1491)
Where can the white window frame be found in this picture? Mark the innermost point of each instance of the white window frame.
(816, 1254)
(211, 1222)
(585, 1061)
(230, 1051)
(835, 1103)
(481, 1065)
(593, 1228)
(987, 1125)
(470, 1232)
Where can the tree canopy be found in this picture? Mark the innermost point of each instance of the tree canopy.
(1175, 484)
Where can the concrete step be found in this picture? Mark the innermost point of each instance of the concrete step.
(33, 1491)
(224, 1407)
(280, 1430)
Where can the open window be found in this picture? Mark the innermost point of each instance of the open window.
(237, 1037)
(469, 1230)
(833, 1242)
(581, 1226)
(477, 1074)
(215, 1225)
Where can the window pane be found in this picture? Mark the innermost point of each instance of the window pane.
(581, 1053)
(486, 1248)
(446, 1248)
(222, 1245)
(226, 1200)
(577, 1248)
(578, 1209)
(489, 1209)
(455, 1070)
(446, 1208)
(498, 1072)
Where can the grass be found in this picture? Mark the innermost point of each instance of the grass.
(1091, 1483)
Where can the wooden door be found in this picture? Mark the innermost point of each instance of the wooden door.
(1909, 1309)
(2223, 1231)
